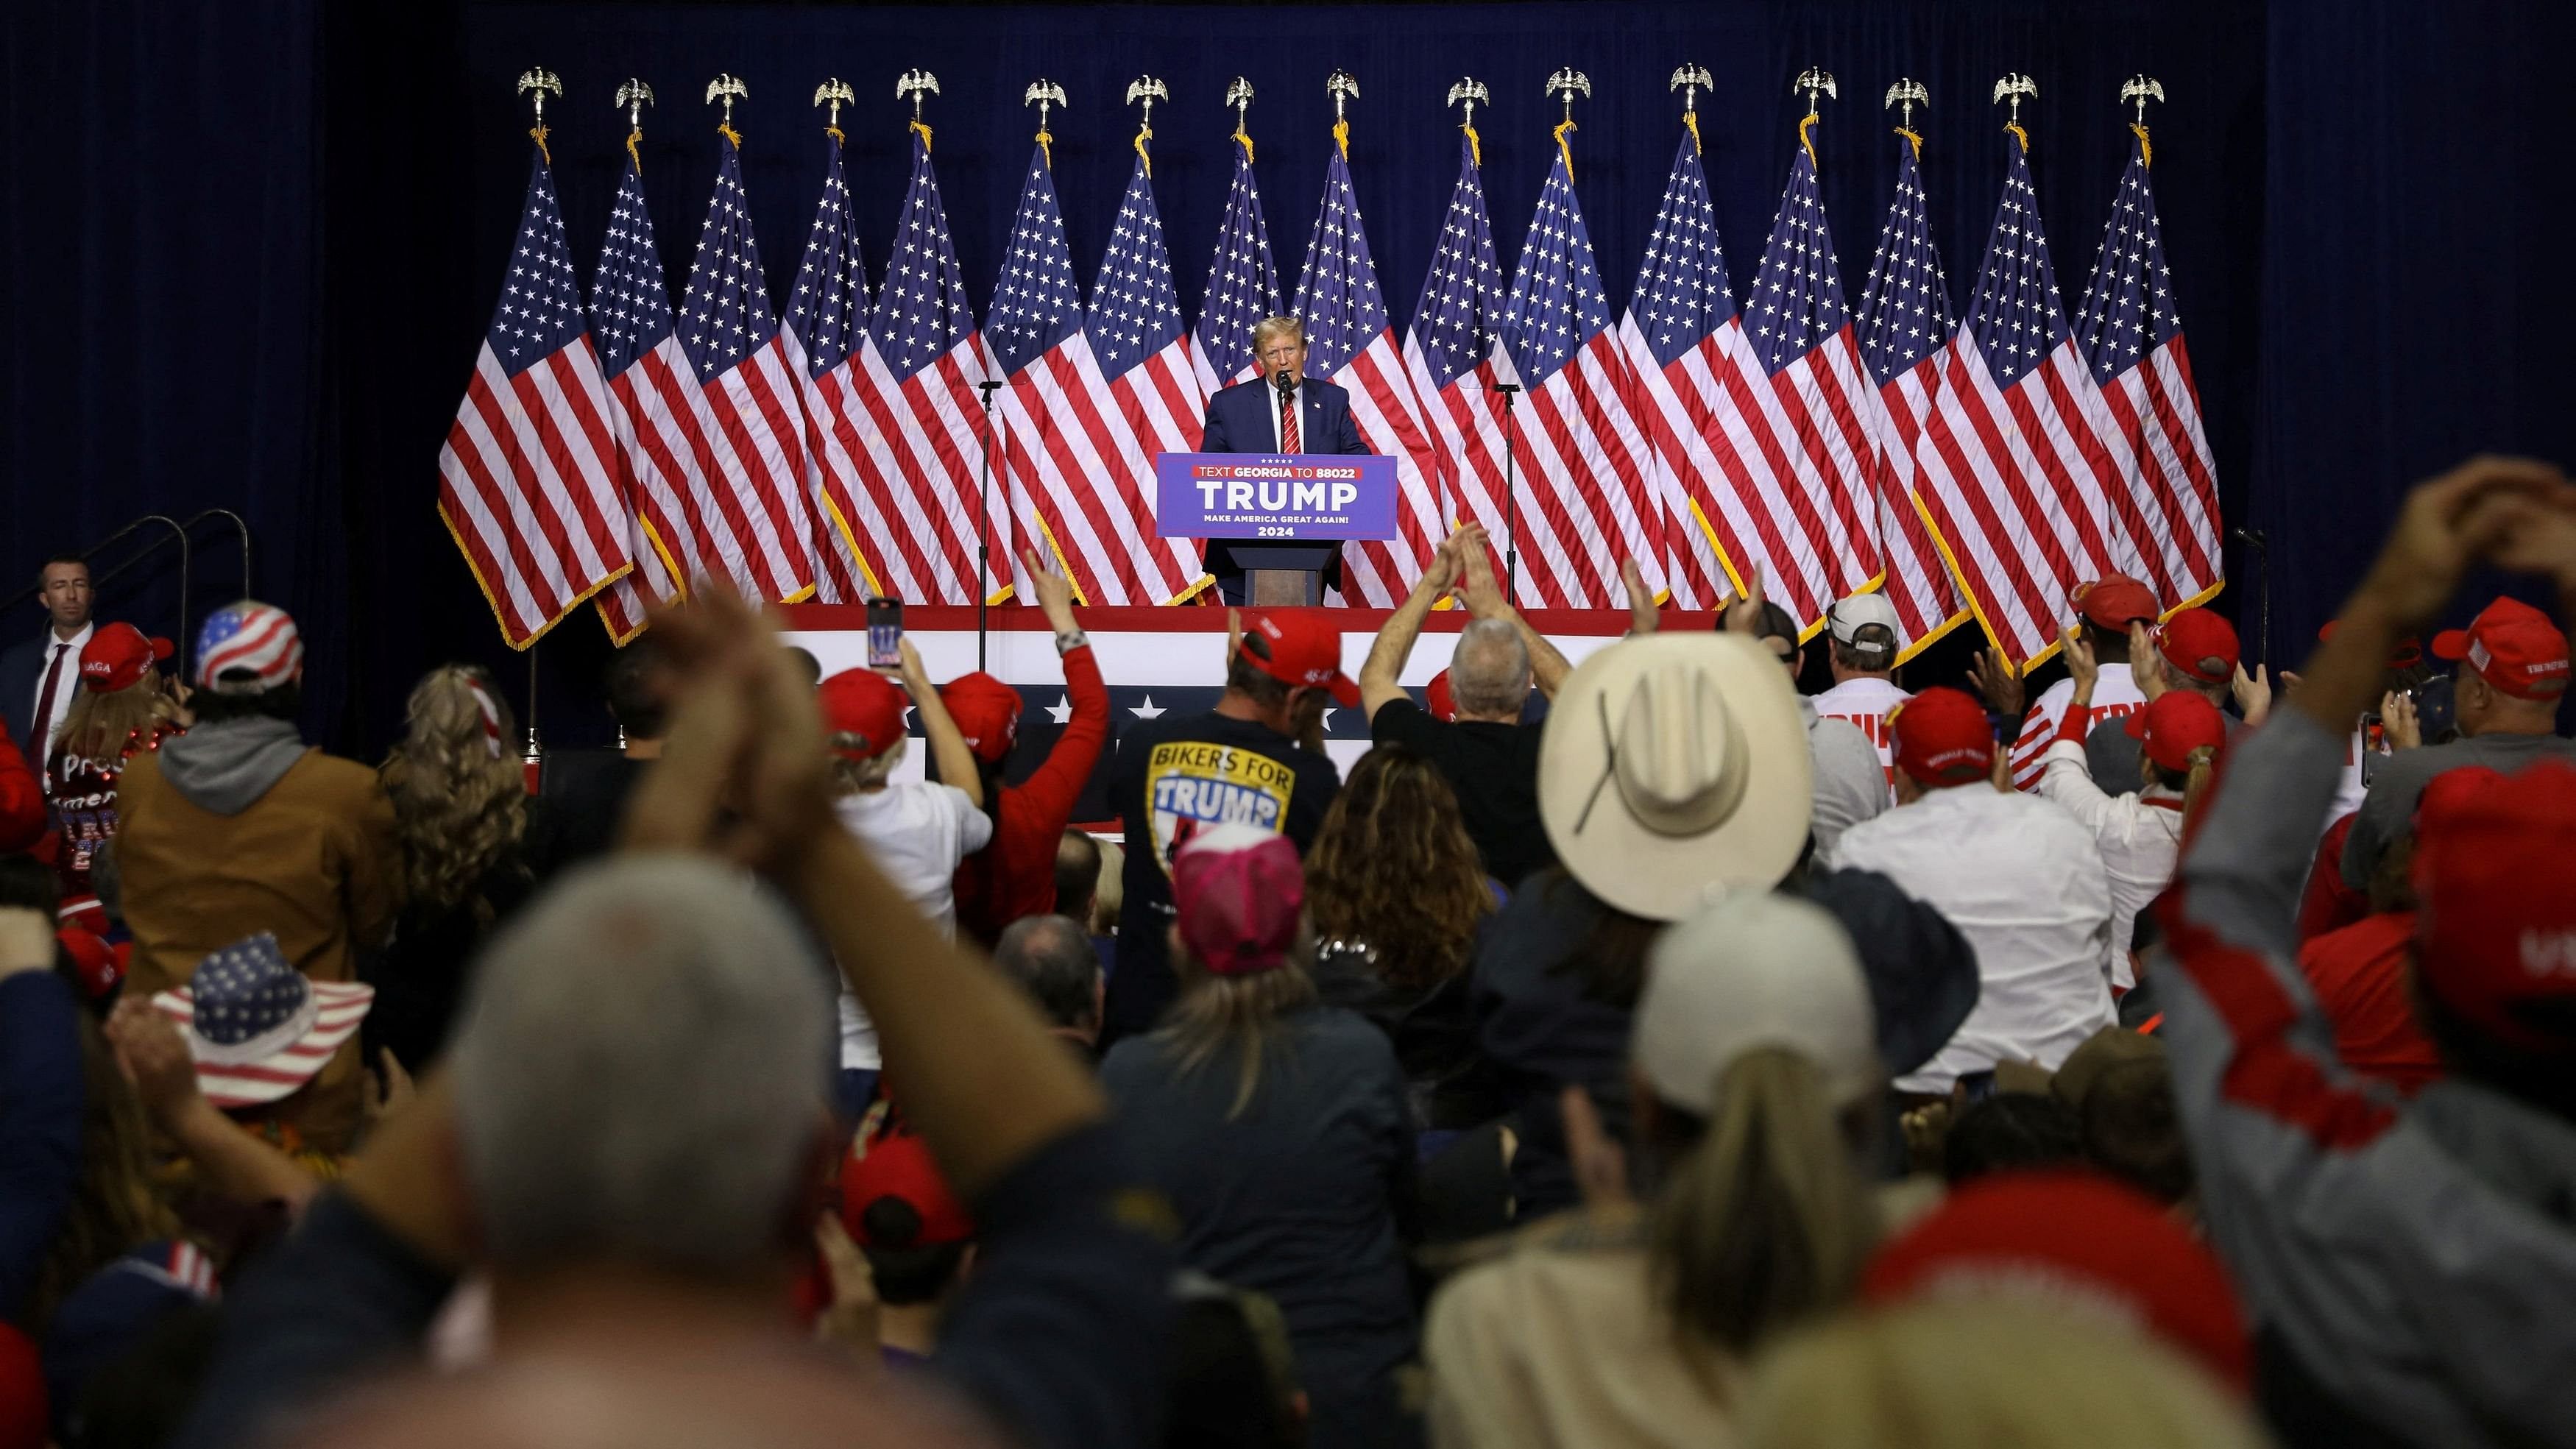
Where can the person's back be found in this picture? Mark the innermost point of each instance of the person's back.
(2019, 877)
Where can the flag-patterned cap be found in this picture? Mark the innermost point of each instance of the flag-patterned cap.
(257, 1028)
(254, 642)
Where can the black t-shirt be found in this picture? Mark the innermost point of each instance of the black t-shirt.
(1494, 770)
(1173, 775)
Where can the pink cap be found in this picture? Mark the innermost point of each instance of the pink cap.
(1239, 891)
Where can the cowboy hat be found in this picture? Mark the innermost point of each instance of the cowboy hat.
(1675, 767)
(256, 1026)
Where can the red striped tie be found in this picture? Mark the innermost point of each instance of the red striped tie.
(1288, 423)
(44, 722)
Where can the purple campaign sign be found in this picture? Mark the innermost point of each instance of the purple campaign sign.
(1318, 496)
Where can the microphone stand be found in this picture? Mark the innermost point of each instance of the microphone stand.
(2253, 538)
(984, 527)
(1511, 502)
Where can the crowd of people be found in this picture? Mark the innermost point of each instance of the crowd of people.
(1624, 1052)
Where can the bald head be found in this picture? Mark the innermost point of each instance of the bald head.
(642, 1073)
(1489, 674)
(1052, 959)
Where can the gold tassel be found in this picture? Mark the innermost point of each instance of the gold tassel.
(1691, 120)
(1143, 135)
(1475, 144)
(2022, 136)
(1342, 137)
(1803, 142)
(1913, 140)
(925, 137)
(538, 135)
(1247, 143)
(1565, 148)
(632, 153)
(2146, 153)
(730, 134)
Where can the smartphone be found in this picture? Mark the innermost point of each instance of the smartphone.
(885, 633)
(1976, 1086)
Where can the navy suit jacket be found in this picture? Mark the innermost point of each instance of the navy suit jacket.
(22, 668)
(1239, 421)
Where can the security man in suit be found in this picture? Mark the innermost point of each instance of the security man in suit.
(1282, 411)
(41, 676)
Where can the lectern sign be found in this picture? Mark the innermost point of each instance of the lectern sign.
(1303, 496)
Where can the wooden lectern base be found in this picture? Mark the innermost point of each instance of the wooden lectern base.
(1283, 588)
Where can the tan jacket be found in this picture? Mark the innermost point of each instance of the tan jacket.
(313, 861)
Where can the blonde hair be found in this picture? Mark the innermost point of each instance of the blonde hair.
(1216, 1014)
(1278, 326)
(850, 776)
(458, 807)
(1765, 1220)
(1966, 1375)
(102, 723)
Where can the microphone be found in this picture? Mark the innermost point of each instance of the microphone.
(1285, 381)
(1505, 388)
(2249, 536)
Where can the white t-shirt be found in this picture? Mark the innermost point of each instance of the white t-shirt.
(916, 832)
(1865, 702)
(2115, 696)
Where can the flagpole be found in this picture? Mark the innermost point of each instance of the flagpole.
(1511, 503)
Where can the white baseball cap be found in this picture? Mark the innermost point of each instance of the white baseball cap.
(1756, 969)
(1852, 614)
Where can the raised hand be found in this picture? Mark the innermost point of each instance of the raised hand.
(2486, 503)
(2398, 722)
(2146, 666)
(1484, 595)
(1054, 591)
(1642, 616)
(2080, 664)
(155, 1059)
(1744, 616)
(2253, 693)
(1993, 679)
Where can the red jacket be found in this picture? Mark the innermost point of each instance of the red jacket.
(1015, 875)
(22, 799)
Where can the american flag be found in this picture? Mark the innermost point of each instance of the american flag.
(731, 341)
(1242, 286)
(1351, 343)
(2131, 332)
(1793, 420)
(1586, 463)
(1903, 322)
(1670, 338)
(825, 318)
(528, 476)
(685, 526)
(900, 398)
(1081, 474)
(1454, 355)
(2019, 461)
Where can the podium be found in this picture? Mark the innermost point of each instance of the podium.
(1284, 516)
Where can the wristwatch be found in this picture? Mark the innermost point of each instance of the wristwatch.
(1067, 643)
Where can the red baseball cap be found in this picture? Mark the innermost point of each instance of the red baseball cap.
(101, 965)
(1300, 647)
(117, 655)
(2073, 1239)
(896, 1164)
(2406, 653)
(2495, 873)
(2178, 723)
(2115, 601)
(2512, 646)
(1444, 705)
(1941, 737)
(2201, 644)
(1238, 891)
(987, 712)
(864, 703)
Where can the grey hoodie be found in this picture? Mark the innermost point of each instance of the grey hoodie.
(225, 767)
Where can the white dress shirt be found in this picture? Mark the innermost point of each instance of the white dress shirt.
(2139, 835)
(66, 689)
(2115, 695)
(2023, 882)
(1865, 702)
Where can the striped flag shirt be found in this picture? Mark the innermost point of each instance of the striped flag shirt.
(1242, 287)
(825, 317)
(686, 525)
(1903, 324)
(1670, 336)
(1072, 460)
(2131, 333)
(1351, 343)
(757, 447)
(528, 482)
(1454, 356)
(904, 405)
(2020, 458)
(1587, 463)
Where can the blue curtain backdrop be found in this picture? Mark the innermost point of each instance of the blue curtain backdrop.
(251, 253)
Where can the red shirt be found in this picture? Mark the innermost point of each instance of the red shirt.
(22, 800)
(1015, 875)
(2329, 904)
(2360, 976)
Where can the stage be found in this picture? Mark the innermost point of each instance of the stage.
(1157, 660)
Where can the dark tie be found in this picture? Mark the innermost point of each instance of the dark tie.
(41, 733)
(1288, 423)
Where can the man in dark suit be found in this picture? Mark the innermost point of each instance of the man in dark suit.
(54, 657)
(1311, 416)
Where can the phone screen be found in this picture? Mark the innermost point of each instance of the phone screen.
(885, 633)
